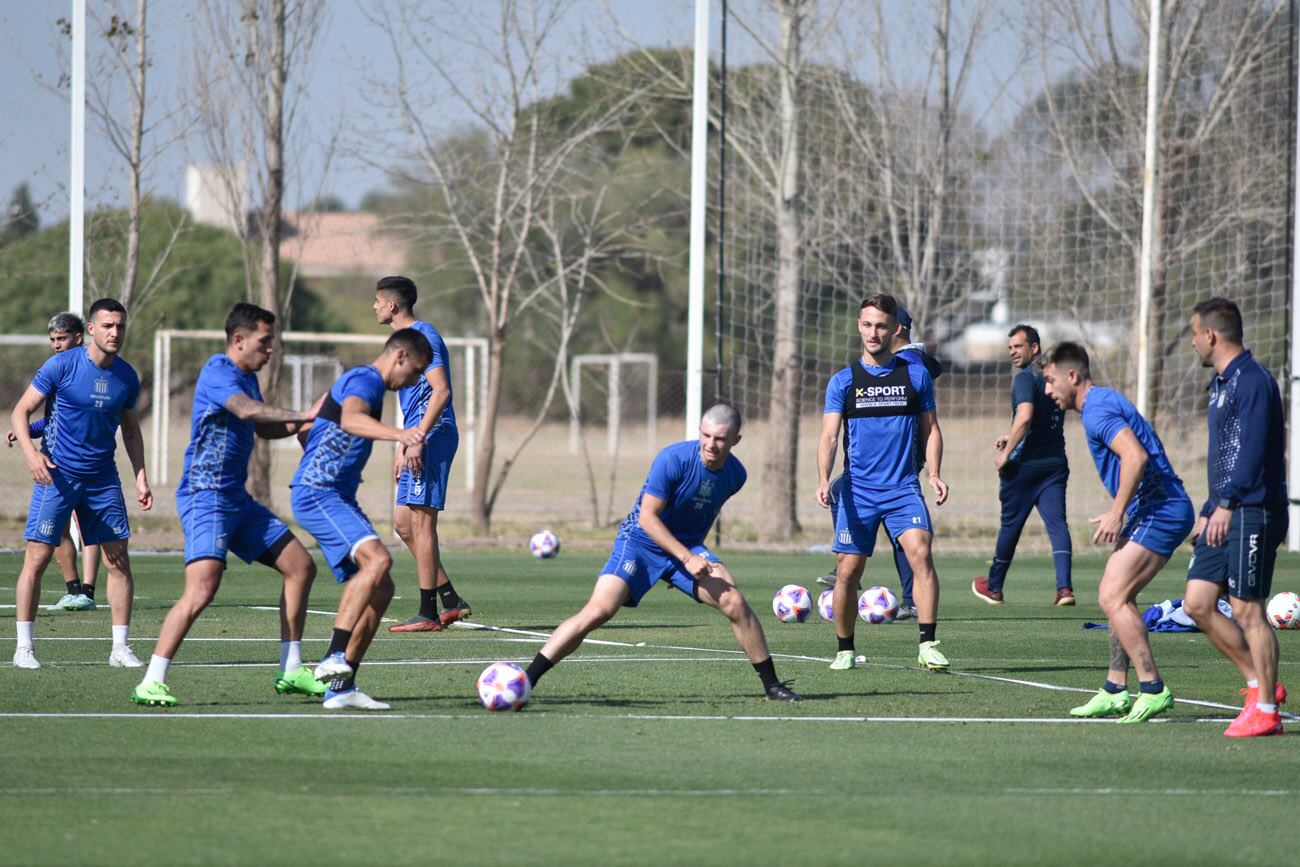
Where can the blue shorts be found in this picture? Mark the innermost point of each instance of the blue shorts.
(641, 567)
(98, 502)
(1160, 528)
(1245, 560)
(430, 487)
(215, 522)
(858, 515)
(337, 523)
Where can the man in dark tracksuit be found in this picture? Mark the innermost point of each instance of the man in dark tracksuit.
(1244, 519)
(1031, 462)
(913, 353)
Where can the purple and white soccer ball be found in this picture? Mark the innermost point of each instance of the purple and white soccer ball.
(826, 604)
(544, 545)
(792, 604)
(503, 686)
(878, 605)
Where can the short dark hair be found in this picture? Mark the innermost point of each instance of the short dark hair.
(1222, 316)
(412, 341)
(66, 322)
(400, 290)
(1070, 354)
(724, 414)
(244, 317)
(1030, 332)
(112, 305)
(884, 303)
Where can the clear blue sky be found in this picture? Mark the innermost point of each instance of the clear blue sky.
(35, 123)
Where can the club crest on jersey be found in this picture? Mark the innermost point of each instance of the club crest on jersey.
(101, 386)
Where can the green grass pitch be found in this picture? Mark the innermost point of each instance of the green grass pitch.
(652, 748)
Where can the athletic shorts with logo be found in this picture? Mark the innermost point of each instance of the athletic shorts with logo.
(217, 522)
(1245, 560)
(641, 567)
(336, 522)
(1161, 527)
(429, 488)
(858, 515)
(97, 502)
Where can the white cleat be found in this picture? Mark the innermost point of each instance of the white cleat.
(353, 699)
(25, 657)
(122, 657)
(331, 667)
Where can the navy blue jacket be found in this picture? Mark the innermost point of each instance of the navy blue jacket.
(1246, 457)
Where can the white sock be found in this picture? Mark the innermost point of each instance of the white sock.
(1266, 708)
(157, 668)
(1252, 684)
(290, 656)
(25, 633)
(120, 634)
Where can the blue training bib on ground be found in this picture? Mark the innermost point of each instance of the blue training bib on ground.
(88, 402)
(220, 442)
(333, 457)
(880, 406)
(1106, 412)
(414, 399)
(692, 494)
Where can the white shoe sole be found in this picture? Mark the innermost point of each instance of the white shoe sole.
(124, 661)
(353, 701)
(330, 670)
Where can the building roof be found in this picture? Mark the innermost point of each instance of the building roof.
(333, 244)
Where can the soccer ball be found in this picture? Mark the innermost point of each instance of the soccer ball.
(825, 606)
(503, 686)
(792, 604)
(1284, 610)
(544, 545)
(878, 605)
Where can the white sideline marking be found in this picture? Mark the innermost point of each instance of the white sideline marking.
(79, 790)
(1263, 793)
(417, 662)
(616, 793)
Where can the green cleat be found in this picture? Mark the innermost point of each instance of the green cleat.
(1104, 704)
(844, 660)
(300, 681)
(928, 656)
(1149, 705)
(153, 694)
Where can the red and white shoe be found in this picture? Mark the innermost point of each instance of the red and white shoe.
(980, 587)
(418, 623)
(1252, 697)
(1254, 724)
(451, 615)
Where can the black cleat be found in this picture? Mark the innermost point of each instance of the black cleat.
(780, 692)
(905, 612)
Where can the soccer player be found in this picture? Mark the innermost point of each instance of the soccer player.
(1030, 459)
(66, 331)
(1149, 518)
(1244, 518)
(662, 539)
(325, 504)
(912, 353)
(94, 392)
(882, 401)
(217, 514)
(422, 475)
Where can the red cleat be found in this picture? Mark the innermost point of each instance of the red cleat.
(980, 587)
(1064, 596)
(1254, 724)
(1252, 697)
(418, 623)
(451, 615)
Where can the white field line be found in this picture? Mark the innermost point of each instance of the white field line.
(1143, 793)
(421, 662)
(78, 791)
(430, 790)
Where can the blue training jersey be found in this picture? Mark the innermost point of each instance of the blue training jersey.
(692, 494)
(414, 399)
(881, 450)
(333, 457)
(1246, 460)
(1106, 412)
(88, 403)
(1044, 442)
(220, 442)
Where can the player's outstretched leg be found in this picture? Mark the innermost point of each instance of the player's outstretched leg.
(1130, 568)
(121, 593)
(848, 577)
(719, 590)
(299, 570)
(35, 561)
(202, 579)
(607, 597)
(365, 598)
(916, 543)
(1262, 718)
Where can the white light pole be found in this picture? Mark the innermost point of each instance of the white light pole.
(699, 201)
(1149, 169)
(77, 181)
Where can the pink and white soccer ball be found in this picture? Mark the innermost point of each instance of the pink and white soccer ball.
(1284, 610)
(826, 605)
(544, 545)
(503, 686)
(792, 604)
(878, 605)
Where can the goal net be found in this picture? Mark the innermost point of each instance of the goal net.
(983, 163)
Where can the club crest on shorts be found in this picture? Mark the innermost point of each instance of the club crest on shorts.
(629, 567)
(846, 538)
(47, 528)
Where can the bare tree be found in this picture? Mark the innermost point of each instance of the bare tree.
(247, 81)
(494, 184)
